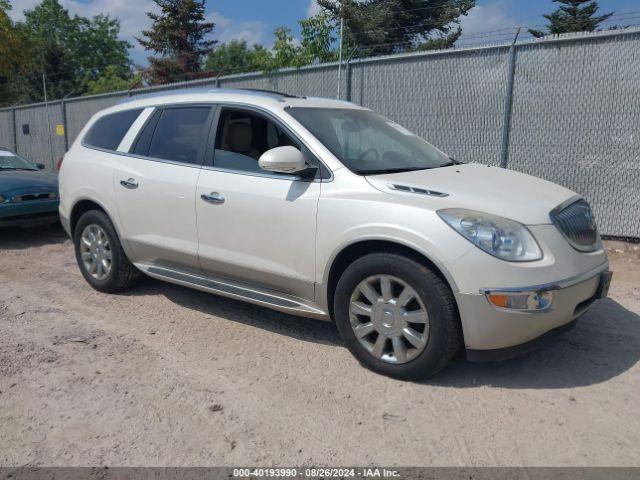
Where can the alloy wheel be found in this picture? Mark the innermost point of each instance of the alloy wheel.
(389, 319)
(95, 252)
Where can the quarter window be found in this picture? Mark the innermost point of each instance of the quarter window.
(108, 131)
(243, 136)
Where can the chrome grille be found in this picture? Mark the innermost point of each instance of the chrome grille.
(577, 223)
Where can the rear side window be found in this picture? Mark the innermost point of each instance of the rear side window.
(108, 131)
(176, 134)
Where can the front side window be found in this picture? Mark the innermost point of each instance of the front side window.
(243, 136)
(179, 134)
(368, 143)
(108, 131)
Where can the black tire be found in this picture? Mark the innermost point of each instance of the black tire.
(445, 335)
(123, 274)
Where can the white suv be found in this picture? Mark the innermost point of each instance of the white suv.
(324, 209)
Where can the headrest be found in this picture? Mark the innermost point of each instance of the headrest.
(239, 137)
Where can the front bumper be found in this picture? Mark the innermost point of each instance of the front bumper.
(493, 333)
(29, 213)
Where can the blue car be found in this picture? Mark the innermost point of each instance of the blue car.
(28, 196)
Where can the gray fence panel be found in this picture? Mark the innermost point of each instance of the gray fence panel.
(453, 100)
(320, 81)
(41, 144)
(79, 111)
(576, 122)
(6, 129)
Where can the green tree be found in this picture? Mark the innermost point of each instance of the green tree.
(179, 36)
(572, 16)
(14, 54)
(318, 39)
(112, 80)
(236, 57)
(376, 27)
(69, 51)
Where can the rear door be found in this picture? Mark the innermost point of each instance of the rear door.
(155, 185)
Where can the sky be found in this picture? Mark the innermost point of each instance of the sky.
(255, 20)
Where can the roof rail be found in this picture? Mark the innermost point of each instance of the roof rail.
(273, 92)
(182, 91)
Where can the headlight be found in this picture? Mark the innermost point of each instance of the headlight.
(2, 199)
(500, 237)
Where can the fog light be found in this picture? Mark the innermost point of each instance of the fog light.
(521, 301)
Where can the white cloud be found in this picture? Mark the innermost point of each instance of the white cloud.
(487, 19)
(313, 8)
(227, 30)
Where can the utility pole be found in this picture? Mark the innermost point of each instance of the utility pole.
(46, 104)
(340, 56)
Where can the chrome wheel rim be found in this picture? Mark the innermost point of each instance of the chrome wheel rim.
(389, 319)
(95, 252)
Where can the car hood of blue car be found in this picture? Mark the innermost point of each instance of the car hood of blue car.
(18, 182)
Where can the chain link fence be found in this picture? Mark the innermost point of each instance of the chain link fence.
(566, 109)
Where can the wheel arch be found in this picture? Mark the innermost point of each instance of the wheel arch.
(349, 253)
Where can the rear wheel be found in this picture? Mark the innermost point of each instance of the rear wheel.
(396, 316)
(100, 256)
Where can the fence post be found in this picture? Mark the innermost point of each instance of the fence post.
(64, 125)
(347, 71)
(15, 130)
(508, 104)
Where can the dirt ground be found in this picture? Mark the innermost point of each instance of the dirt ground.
(163, 375)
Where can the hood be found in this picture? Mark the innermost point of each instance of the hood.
(16, 182)
(473, 186)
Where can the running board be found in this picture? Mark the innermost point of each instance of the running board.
(239, 292)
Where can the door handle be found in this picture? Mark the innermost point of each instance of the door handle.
(130, 184)
(213, 197)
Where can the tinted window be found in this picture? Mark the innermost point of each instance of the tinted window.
(109, 130)
(180, 134)
(243, 137)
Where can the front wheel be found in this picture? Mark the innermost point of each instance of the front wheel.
(100, 256)
(396, 316)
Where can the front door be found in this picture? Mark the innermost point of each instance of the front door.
(256, 227)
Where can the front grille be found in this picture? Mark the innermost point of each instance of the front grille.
(30, 197)
(577, 223)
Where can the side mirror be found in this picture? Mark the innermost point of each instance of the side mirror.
(40, 166)
(286, 159)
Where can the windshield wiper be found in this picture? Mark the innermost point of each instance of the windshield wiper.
(17, 168)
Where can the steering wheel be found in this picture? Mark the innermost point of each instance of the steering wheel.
(367, 152)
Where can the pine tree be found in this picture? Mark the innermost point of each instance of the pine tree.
(379, 27)
(572, 16)
(179, 36)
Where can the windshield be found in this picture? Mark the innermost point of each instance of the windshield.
(10, 161)
(368, 143)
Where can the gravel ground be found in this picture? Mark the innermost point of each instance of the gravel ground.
(163, 375)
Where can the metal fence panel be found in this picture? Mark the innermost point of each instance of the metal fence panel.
(36, 133)
(453, 100)
(6, 129)
(576, 122)
(318, 81)
(575, 117)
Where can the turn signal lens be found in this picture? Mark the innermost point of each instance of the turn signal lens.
(522, 301)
